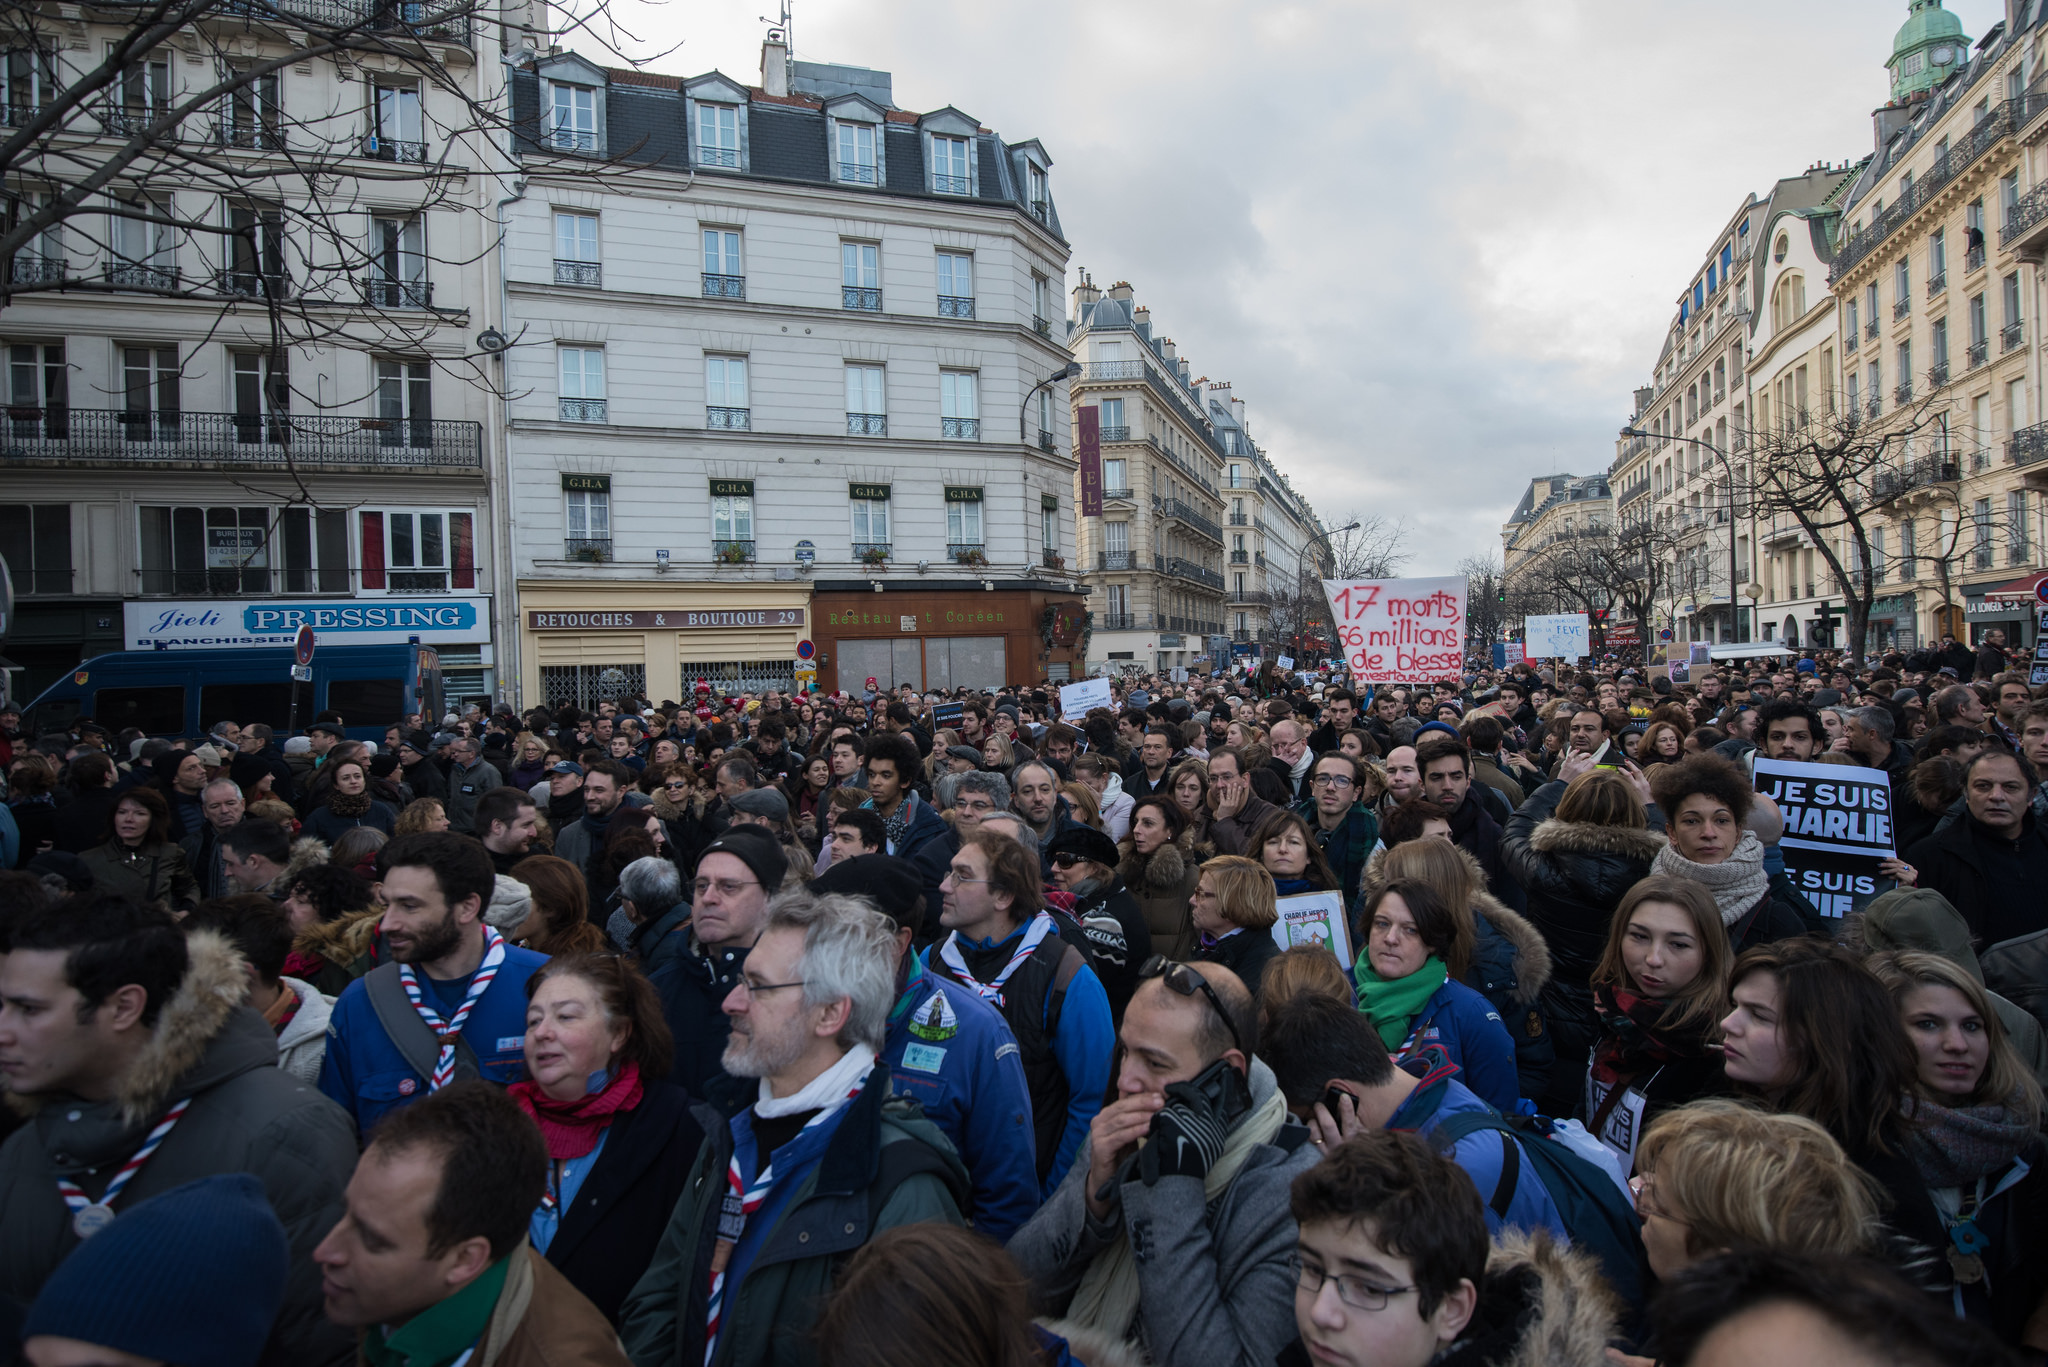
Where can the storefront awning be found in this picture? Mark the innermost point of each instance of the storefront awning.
(2018, 590)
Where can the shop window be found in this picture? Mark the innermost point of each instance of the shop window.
(743, 676)
(35, 541)
(585, 686)
(205, 552)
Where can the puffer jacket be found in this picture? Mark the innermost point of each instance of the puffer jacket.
(1162, 882)
(247, 1115)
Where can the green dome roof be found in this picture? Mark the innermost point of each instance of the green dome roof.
(1929, 48)
(1926, 22)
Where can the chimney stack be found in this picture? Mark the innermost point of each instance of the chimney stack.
(1085, 294)
(775, 63)
(1120, 290)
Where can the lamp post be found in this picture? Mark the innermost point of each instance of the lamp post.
(1734, 612)
(1352, 526)
(1071, 370)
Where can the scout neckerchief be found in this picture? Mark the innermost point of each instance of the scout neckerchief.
(89, 1217)
(1034, 934)
(448, 1030)
(740, 1202)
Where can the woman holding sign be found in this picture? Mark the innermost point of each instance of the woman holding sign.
(1705, 799)
(1659, 990)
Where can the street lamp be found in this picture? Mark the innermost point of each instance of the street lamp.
(1353, 526)
(1734, 612)
(1071, 370)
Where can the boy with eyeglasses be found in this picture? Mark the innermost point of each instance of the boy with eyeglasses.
(1344, 825)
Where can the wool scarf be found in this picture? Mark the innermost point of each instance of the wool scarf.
(1632, 1039)
(348, 804)
(1737, 882)
(571, 1128)
(1391, 1004)
(1954, 1146)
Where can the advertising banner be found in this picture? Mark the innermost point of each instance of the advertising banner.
(1088, 450)
(251, 622)
(1838, 828)
(1400, 630)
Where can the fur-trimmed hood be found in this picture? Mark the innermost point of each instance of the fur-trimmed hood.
(1584, 837)
(344, 939)
(306, 853)
(1531, 951)
(1542, 1305)
(1163, 870)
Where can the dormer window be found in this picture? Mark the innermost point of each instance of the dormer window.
(857, 153)
(715, 113)
(572, 122)
(1035, 191)
(950, 175)
(718, 135)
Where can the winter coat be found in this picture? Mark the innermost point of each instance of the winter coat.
(465, 787)
(1233, 834)
(147, 873)
(1348, 847)
(692, 985)
(1981, 873)
(609, 1232)
(1541, 1304)
(425, 779)
(303, 1041)
(2017, 969)
(324, 823)
(653, 943)
(1922, 919)
(84, 821)
(247, 1115)
(1215, 1277)
(1470, 1032)
(1118, 940)
(541, 1320)
(770, 1317)
(1162, 882)
(345, 946)
(1245, 952)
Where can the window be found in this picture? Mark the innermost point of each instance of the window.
(1049, 525)
(1905, 371)
(145, 248)
(724, 276)
(405, 403)
(959, 413)
(1119, 600)
(1116, 536)
(1908, 548)
(576, 258)
(963, 519)
(1850, 391)
(28, 78)
(1113, 427)
(2008, 197)
(2017, 549)
(718, 135)
(1849, 319)
(396, 130)
(1937, 336)
(1870, 309)
(1937, 260)
(732, 515)
(1877, 560)
(40, 260)
(263, 397)
(2015, 406)
(1902, 289)
(38, 391)
(1980, 522)
(1035, 192)
(314, 550)
(1980, 438)
(2009, 298)
(870, 504)
(254, 252)
(251, 115)
(956, 285)
(950, 175)
(572, 119)
(142, 95)
(149, 408)
(1980, 330)
(866, 413)
(725, 393)
(202, 551)
(35, 541)
(1116, 480)
(588, 519)
(582, 392)
(398, 264)
(1876, 386)
(1041, 304)
(860, 271)
(856, 153)
(416, 552)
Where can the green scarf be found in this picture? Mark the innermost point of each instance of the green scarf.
(1391, 1004)
(439, 1333)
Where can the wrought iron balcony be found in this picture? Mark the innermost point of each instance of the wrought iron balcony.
(122, 122)
(1886, 485)
(856, 173)
(1185, 514)
(399, 294)
(2026, 214)
(1123, 494)
(585, 410)
(589, 273)
(871, 550)
(960, 429)
(2028, 446)
(592, 550)
(733, 552)
(253, 284)
(1904, 393)
(1121, 432)
(724, 286)
(447, 23)
(1850, 341)
(261, 137)
(1047, 443)
(1041, 326)
(1115, 560)
(1188, 569)
(949, 185)
(1254, 596)
(1973, 260)
(1937, 375)
(1240, 519)
(94, 435)
(393, 149)
(1902, 308)
(728, 419)
(861, 298)
(867, 424)
(2010, 336)
(130, 275)
(955, 306)
(1980, 352)
(1124, 621)
(727, 158)
(967, 552)
(2001, 121)
(1040, 211)
(1875, 406)
(1051, 559)
(583, 143)
(1871, 329)
(29, 269)
(1240, 557)
(1937, 284)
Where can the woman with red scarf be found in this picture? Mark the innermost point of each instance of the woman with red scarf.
(620, 1137)
(1659, 990)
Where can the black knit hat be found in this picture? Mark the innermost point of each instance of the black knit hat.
(1085, 842)
(892, 884)
(757, 849)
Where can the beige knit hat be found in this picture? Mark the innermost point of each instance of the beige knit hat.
(511, 904)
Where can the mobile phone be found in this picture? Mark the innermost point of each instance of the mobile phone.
(1223, 1087)
(1332, 1100)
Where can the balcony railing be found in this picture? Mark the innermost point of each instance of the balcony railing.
(960, 429)
(1902, 308)
(1047, 443)
(1115, 560)
(1051, 559)
(1125, 621)
(1188, 569)
(399, 294)
(726, 157)
(724, 286)
(1937, 375)
(1250, 596)
(1980, 352)
(1121, 432)
(1240, 557)
(2010, 336)
(2002, 120)
(85, 435)
(949, 185)
(31, 583)
(871, 550)
(856, 173)
(861, 298)
(589, 273)
(393, 149)
(729, 419)
(1937, 285)
(585, 410)
(1182, 512)
(1904, 393)
(2028, 446)
(592, 550)
(967, 552)
(1240, 519)
(1871, 329)
(1926, 472)
(1875, 406)
(252, 284)
(2026, 212)
(1124, 494)
(572, 140)
(867, 424)
(1041, 326)
(1850, 341)
(129, 275)
(29, 269)
(446, 23)
(733, 552)
(953, 306)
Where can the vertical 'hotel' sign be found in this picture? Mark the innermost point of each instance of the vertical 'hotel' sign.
(1091, 460)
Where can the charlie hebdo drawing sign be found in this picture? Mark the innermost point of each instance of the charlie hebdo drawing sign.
(1399, 630)
(1838, 828)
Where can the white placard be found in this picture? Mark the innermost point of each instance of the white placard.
(1558, 637)
(1284, 662)
(1400, 630)
(1077, 698)
(1314, 918)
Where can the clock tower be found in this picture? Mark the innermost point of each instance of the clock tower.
(1928, 50)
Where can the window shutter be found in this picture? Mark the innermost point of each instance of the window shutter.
(463, 550)
(373, 550)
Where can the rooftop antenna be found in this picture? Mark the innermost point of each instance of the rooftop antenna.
(780, 27)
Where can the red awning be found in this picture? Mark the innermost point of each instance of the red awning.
(2018, 590)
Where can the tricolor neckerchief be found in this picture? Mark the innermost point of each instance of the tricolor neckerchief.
(1041, 925)
(89, 1217)
(448, 1030)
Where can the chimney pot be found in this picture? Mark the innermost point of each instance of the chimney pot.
(775, 64)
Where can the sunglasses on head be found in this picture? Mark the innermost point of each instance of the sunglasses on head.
(1184, 980)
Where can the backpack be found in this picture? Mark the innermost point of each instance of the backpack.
(1599, 1218)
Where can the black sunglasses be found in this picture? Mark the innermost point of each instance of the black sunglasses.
(1184, 980)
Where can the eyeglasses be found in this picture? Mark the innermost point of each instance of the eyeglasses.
(1332, 780)
(727, 887)
(1355, 1292)
(1187, 983)
(755, 989)
(676, 783)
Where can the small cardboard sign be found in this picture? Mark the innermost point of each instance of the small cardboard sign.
(1315, 918)
(1076, 699)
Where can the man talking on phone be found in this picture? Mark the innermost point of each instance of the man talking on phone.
(1172, 1229)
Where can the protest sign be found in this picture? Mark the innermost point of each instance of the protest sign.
(1314, 918)
(948, 713)
(1077, 698)
(1284, 662)
(1561, 636)
(1507, 653)
(1400, 630)
(1838, 828)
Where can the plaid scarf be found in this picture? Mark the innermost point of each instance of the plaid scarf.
(1632, 1039)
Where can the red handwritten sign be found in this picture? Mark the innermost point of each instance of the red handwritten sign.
(1400, 630)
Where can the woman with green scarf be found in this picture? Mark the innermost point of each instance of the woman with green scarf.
(1416, 950)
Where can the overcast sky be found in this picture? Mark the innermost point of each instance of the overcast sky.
(1434, 245)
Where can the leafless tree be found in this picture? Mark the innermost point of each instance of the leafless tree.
(1373, 549)
(1485, 597)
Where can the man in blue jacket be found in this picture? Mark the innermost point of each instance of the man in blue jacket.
(951, 1053)
(451, 1004)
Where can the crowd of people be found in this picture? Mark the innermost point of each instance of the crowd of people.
(850, 1030)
